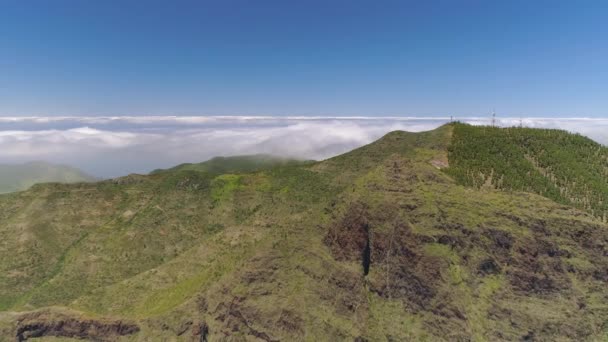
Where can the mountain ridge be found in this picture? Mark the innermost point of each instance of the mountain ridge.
(236, 164)
(381, 243)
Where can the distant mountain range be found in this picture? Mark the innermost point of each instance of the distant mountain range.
(462, 233)
(18, 177)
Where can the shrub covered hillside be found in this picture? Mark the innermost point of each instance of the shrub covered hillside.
(567, 168)
(378, 244)
(249, 163)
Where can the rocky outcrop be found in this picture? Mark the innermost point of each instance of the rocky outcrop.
(46, 323)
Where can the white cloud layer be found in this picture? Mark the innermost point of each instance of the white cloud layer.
(114, 146)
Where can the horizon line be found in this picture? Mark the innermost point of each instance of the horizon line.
(295, 117)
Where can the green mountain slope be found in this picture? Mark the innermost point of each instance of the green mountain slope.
(376, 244)
(567, 168)
(236, 164)
(22, 176)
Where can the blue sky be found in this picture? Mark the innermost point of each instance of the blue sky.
(369, 58)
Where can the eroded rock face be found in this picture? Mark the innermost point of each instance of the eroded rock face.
(42, 324)
(399, 263)
(349, 239)
(406, 272)
(238, 314)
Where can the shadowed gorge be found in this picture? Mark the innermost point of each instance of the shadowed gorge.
(407, 238)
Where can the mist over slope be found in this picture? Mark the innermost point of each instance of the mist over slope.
(17, 177)
(114, 146)
(380, 243)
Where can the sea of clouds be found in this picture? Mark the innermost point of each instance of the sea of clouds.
(115, 146)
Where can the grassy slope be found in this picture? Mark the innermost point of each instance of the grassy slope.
(20, 177)
(276, 254)
(236, 164)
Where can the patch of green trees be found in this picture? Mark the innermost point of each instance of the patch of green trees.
(567, 168)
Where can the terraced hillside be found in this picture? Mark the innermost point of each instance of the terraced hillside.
(376, 244)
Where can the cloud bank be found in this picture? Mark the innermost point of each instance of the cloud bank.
(115, 146)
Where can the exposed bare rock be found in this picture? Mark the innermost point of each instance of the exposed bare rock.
(47, 323)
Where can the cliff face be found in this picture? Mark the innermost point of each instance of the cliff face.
(377, 244)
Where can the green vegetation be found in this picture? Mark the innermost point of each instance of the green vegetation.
(378, 244)
(22, 176)
(567, 168)
(237, 164)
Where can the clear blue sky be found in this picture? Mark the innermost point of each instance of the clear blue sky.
(531, 58)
